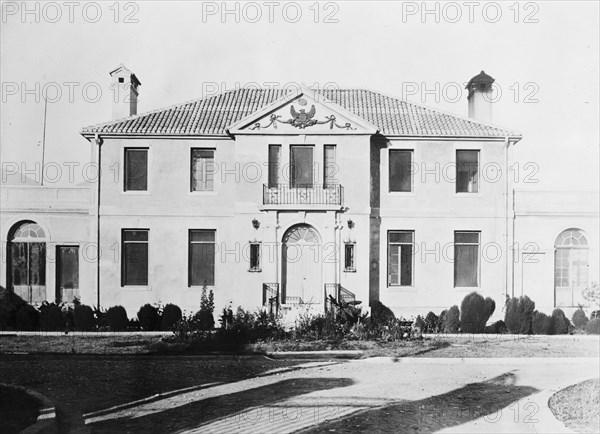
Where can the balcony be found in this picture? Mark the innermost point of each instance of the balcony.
(331, 195)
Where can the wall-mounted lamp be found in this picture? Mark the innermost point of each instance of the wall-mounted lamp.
(350, 224)
(255, 224)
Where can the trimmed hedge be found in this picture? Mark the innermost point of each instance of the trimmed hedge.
(84, 318)
(51, 317)
(593, 326)
(452, 321)
(116, 318)
(171, 314)
(560, 323)
(580, 319)
(28, 318)
(519, 315)
(475, 312)
(541, 324)
(381, 314)
(148, 317)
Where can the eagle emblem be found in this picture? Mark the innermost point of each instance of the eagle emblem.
(302, 119)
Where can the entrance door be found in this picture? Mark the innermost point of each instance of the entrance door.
(28, 262)
(301, 266)
(67, 273)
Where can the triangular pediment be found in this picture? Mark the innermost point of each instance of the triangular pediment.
(303, 112)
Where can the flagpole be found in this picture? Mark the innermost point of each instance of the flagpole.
(44, 139)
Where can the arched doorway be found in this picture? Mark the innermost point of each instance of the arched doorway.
(301, 273)
(571, 264)
(26, 265)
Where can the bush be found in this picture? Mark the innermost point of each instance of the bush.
(381, 314)
(452, 322)
(593, 326)
(28, 318)
(171, 314)
(519, 315)
(541, 324)
(497, 328)
(84, 318)
(10, 303)
(51, 317)
(116, 318)
(560, 323)
(431, 323)
(580, 319)
(148, 317)
(475, 312)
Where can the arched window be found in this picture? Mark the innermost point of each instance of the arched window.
(27, 261)
(571, 262)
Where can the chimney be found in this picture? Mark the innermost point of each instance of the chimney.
(480, 97)
(125, 92)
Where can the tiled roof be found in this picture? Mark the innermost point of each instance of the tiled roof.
(212, 116)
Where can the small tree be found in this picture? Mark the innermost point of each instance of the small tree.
(204, 317)
(541, 324)
(560, 323)
(452, 323)
(148, 317)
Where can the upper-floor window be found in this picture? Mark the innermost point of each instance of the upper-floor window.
(401, 170)
(134, 252)
(466, 259)
(329, 166)
(136, 169)
(274, 165)
(301, 166)
(255, 256)
(201, 261)
(400, 258)
(203, 170)
(349, 257)
(467, 171)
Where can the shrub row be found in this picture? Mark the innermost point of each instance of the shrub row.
(15, 314)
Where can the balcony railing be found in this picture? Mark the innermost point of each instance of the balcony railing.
(314, 194)
(339, 293)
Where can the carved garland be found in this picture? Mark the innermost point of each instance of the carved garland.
(302, 120)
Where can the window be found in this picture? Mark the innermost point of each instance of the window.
(203, 170)
(401, 170)
(349, 257)
(201, 267)
(400, 258)
(571, 265)
(467, 171)
(254, 257)
(274, 165)
(134, 252)
(301, 166)
(329, 166)
(466, 259)
(136, 169)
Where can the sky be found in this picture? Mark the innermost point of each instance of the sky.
(543, 55)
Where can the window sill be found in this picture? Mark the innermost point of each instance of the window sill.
(136, 288)
(255, 270)
(203, 193)
(464, 194)
(466, 288)
(402, 193)
(200, 288)
(402, 288)
(136, 192)
(349, 270)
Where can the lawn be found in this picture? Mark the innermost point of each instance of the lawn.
(468, 346)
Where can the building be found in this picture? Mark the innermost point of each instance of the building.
(265, 195)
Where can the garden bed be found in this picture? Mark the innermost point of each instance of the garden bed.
(578, 406)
